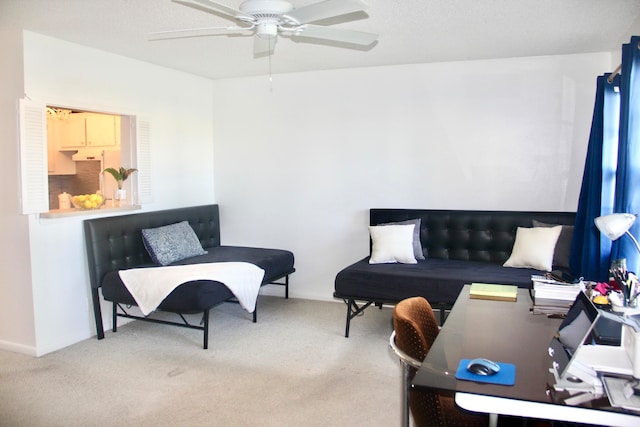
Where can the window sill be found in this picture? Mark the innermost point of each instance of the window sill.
(66, 213)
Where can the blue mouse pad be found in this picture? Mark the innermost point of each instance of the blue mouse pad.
(505, 376)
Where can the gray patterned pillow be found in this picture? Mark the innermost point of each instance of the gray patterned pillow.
(172, 243)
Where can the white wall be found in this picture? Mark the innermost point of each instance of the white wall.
(179, 107)
(298, 166)
(16, 298)
(295, 168)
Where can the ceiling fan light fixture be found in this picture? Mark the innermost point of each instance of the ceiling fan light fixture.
(267, 30)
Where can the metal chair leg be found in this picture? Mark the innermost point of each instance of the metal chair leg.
(406, 411)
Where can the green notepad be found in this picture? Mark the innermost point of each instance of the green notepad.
(494, 292)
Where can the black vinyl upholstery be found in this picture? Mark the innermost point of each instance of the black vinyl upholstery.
(460, 247)
(440, 279)
(197, 296)
(188, 298)
(115, 243)
(486, 236)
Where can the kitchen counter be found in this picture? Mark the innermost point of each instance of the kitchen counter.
(66, 213)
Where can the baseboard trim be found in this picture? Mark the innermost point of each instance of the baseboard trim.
(18, 348)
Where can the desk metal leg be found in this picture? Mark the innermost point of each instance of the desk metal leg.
(493, 420)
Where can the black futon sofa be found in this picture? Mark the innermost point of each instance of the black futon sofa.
(115, 243)
(460, 247)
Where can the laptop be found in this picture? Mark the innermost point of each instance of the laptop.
(575, 350)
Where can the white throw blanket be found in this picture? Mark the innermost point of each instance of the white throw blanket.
(149, 286)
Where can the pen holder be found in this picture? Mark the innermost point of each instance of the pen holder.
(629, 299)
(626, 280)
(633, 290)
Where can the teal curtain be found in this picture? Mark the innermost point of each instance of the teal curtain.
(627, 195)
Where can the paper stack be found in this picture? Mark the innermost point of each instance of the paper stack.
(552, 297)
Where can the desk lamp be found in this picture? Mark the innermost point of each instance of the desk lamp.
(615, 225)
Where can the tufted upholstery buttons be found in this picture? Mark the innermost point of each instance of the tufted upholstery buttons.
(124, 249)
(486, 236)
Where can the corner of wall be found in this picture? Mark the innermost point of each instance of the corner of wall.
(17, 331)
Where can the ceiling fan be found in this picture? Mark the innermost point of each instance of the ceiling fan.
(268, 19)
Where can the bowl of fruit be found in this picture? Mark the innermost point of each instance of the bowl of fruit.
(87, 201)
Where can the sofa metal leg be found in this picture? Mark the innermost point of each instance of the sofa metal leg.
(97, 313)
(286, 287)
(120, 311)
(205, 320)
(346, 330)
(353, 310)
(114, 314)
(285, 284)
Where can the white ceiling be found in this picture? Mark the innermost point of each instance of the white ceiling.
(411, 31)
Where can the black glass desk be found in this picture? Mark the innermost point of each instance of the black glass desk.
(506, 332)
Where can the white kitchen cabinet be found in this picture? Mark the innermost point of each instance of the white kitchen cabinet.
(58, 162)
(91, 130)
(74, 135)
(101, 130)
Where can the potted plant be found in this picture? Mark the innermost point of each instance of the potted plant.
(120, 175)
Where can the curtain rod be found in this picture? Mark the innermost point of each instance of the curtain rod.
(618, 70)
(614, 74)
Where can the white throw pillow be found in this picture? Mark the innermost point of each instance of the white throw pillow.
(417, 244)
(534, 248)
(391, 244)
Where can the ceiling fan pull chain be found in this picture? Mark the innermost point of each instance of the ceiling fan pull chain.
(270, 76)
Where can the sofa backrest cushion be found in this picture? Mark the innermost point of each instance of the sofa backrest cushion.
(115, 243)
(469, 235)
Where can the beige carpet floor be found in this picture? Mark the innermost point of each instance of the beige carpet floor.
(292, 368)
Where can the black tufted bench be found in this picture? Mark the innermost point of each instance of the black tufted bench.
(460, 247)
(115, 243)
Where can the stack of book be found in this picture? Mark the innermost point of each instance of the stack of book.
(553, 297)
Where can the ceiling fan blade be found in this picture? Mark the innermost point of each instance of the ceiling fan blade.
(212, 6)
(263, 45)
(198, 32)
(336, 34)
(326, 9)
